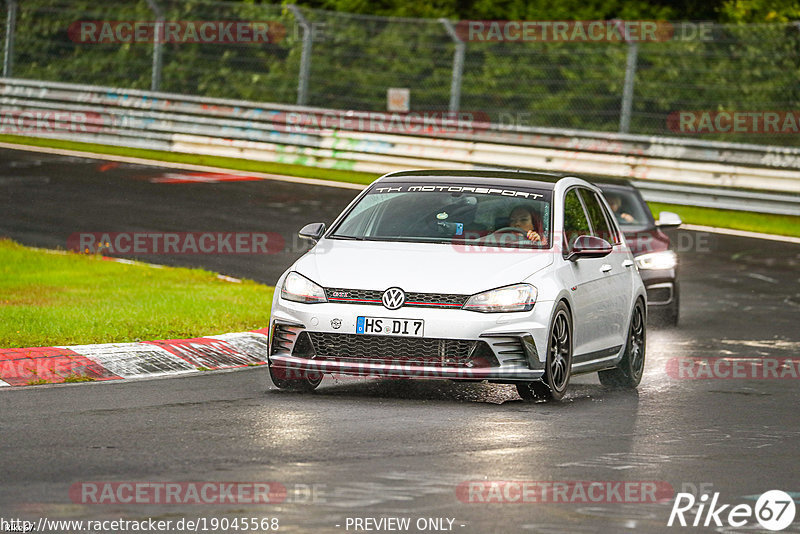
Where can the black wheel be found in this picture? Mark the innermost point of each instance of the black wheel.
(628, 372)
(558, 365)
(294, 380)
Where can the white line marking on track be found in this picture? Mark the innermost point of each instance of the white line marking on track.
(762, 277)
(740, 233)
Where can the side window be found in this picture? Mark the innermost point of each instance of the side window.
(575, 223)
(600, 226)
(612, 224)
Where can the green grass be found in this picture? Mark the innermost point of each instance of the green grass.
(755, 222)
(78, 378)
(198, 159)
(739, 220)
(67, 299)
(38, 382)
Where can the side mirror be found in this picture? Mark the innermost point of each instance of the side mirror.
(667, 219)
(589, 246)
(312, 231)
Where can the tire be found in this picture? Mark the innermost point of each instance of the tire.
(673, 313)
(630, 369)
(293, 380)
(558, 365)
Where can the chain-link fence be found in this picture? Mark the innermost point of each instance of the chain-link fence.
(345, 61)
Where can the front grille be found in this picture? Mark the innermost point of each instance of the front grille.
(435, 300)
(398, 350)
(413, 300)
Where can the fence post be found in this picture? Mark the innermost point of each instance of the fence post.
(627, 90)
(158, 46)
(11, 25)
(305, 56)
(458, 65)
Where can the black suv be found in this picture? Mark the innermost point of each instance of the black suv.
(657, 263)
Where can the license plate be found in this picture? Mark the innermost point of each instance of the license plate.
(389, 326)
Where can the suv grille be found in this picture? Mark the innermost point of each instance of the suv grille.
(398, 350)
(413, 300)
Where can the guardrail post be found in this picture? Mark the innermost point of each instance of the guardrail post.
(458, 65)
(305, 56)
(627, 90)
(11, 25)
(158, 45)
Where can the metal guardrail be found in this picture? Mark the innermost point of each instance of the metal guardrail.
(698, 172)
(720, 198)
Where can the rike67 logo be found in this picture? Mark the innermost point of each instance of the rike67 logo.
(774, 510)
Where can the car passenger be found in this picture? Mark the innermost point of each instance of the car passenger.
(615, 201)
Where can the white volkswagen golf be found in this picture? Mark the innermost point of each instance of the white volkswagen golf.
(511, 277)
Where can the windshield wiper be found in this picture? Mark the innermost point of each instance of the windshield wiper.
(347, 237)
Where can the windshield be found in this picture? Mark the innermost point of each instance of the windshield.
(447, 213)
(628, 209)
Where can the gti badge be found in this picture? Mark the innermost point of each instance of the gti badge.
(336, 323)
(393, 298)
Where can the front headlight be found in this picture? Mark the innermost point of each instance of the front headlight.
(519, 297)
(666, 259)
(298, 288)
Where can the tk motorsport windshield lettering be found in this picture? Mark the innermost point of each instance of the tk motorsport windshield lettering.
(456, 189)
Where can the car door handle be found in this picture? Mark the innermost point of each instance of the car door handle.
(605, 268)
(627, 263)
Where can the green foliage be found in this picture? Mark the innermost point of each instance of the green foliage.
(747, 11)
(526, 9)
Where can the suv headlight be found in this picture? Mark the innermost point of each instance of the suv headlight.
(666, 259)
(519, 297)
(298, 288)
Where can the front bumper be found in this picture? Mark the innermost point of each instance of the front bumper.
(661, 286)
(499, 347)
(388, 370)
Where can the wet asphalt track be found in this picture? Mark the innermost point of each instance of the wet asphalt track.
(394, 448)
